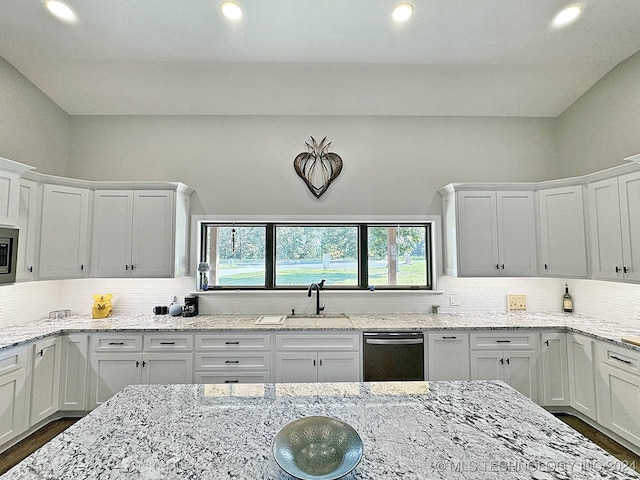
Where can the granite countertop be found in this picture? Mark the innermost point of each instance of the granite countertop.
(598, 328)
(410, 430)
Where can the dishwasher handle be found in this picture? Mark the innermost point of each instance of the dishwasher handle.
(394, 341)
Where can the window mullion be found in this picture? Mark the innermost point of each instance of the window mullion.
(270, 256)
(363, 257)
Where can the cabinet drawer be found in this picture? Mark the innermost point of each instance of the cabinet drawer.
(233, 342)
(117, 343)
(13, 359)
(620, 357)
(505, 340)
(318, 342)
(168, 343)
(231, 361)
(233, 377)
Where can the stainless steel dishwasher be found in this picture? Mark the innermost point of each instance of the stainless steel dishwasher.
(393, 356)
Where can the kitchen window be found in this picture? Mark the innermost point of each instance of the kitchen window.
(292, 256)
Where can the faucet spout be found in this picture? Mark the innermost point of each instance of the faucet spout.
(317, 287)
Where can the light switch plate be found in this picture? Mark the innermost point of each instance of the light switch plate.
(454, 300)
(516, 303)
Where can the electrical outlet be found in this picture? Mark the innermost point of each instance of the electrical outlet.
(454, 300)
(516, 303)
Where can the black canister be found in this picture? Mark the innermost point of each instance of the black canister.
(190, 308)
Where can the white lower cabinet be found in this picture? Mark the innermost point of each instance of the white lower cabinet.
(554, 370)
(619, 390)
(233, 358)
(317, 358)
(119, 360)
(73, 372)
(515, 362)
(448, 356)
(14, 412)
(45, 378)
(582, 382)
(294, 367)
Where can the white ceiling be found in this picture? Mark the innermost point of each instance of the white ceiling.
(317, 57)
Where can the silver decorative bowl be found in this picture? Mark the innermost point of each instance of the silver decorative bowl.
(317, 448)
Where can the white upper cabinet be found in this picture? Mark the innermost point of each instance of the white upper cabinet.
(562, 232)
(494, 233)
(614, 210)
(139, 233)
(10, 173)
(28, 224)
(65, 232)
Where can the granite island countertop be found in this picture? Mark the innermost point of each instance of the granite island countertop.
(410, 430)
(598, 328)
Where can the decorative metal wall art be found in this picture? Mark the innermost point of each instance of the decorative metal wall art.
(317, 166)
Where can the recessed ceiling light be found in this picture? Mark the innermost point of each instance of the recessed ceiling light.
(61, 10)
(231, 10)
(402, 12)
(567, 16)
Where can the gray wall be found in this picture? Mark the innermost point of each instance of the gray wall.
(244, 164)
(33, 129)
(603, 126)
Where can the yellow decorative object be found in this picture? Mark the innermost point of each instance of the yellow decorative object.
(102, 305)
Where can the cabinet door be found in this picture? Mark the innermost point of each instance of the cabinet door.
(153, 233)
(520, 372)
(487, 365)
(296, 367)
(629, 186)
(621, 405)
(111, 373)
(477, 233)
(167, 368)
(555, 381)
(516, 233)
(14, 413)
(562, 232)
(73, 372)
(339, 366)
(9, 196)
(448, 356)
(64, 232)
(45, 379)
(28, 224)
(582, 390)
(112, 233)
(606, 235)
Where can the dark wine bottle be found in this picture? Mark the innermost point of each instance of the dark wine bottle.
(567, 301)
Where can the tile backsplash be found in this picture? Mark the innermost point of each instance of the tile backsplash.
(23, 302)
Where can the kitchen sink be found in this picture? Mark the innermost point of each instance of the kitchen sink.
(313, 321)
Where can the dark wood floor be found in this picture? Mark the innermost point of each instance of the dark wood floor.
(30, 444)
(26, 447)
(621, 453)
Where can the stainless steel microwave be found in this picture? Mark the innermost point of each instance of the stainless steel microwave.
(8, 254)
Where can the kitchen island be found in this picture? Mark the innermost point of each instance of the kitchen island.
(411, 430)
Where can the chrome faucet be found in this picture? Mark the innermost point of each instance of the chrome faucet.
(317, 287)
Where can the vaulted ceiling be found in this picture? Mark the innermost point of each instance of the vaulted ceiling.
(317, 57)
